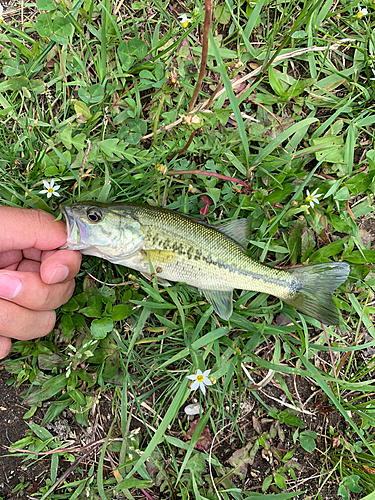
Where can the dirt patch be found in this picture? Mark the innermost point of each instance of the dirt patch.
(13, 428)
(368, 224)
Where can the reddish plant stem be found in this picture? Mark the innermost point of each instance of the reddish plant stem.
(149, 497)
(202, 70)
(121, 96)
(209, 174)
(349, 210)
(184, 148)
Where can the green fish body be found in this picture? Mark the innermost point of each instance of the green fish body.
(177, 247)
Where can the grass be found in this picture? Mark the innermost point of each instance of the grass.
(117, 101)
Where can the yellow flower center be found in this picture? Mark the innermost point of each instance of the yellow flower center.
(309, 198)
(200, 378)
(50, 190)
(184, 23)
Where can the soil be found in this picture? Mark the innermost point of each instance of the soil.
(316, 413)
(12, 428)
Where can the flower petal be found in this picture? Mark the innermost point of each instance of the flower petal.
(49, 194)
(199, 372)
(191, 377)
(206, 373)
(311, 204)
(52, 184)
(46, 184)
(55, 193)
(207, 381)
(202, 388)
(44, 191)
(56, 188)
(194, 385)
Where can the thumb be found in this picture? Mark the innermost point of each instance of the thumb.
(28, 228)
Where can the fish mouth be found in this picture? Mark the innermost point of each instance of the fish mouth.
(76, 229)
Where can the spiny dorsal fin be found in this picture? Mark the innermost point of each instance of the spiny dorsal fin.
(239, 230)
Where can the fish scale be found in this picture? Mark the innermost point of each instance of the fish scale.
(211, 258)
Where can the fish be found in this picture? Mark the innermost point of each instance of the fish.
(176, 247)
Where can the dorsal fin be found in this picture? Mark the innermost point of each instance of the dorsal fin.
(239, 230)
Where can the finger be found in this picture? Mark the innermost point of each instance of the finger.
(61, 266)
(28, 290)
(29, 266)
(28, 228)
(5, 346)
(23, 324)
(9, 258)
(32, 254)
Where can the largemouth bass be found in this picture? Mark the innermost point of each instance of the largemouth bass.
(177, 247)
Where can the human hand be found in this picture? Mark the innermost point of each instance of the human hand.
(35, 277)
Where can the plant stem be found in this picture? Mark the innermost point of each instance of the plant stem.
(157, 116)
(209, 174)
(202, 70)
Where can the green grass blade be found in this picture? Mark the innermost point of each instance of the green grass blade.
(178, 400)
(232, 99)
(280, 139)
(196, 434)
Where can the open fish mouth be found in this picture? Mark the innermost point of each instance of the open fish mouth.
(76, 229)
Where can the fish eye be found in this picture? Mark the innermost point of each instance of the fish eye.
(94, 214)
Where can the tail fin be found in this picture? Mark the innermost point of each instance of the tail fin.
(313, 290)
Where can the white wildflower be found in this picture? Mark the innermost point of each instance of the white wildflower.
(200, 380)
(313, 197)
(51, 189)
(361, 12)
(184, 20)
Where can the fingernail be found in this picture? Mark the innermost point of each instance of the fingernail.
(10, 286)
(59, 274)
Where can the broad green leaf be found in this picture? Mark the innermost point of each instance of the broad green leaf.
(121, 311)
(299, 34)
(92, 94)
(43, 25)
(332, 149)
(275, 82)
(46, 5)
(137, 48)
(81, 108)
(125, 58)
(101, 327)
(48, 389)
(307, 440)
(111, 147)
(62, 30)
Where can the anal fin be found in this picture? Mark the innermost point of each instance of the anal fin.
(222, 302)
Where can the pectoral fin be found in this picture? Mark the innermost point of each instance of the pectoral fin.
(160, 257)
(222, 302)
